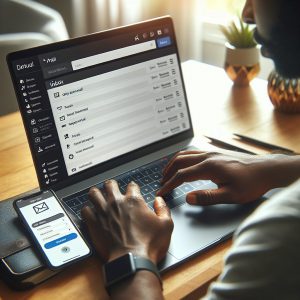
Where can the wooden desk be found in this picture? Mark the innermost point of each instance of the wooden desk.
(215, 106)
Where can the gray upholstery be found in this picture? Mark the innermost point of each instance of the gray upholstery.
(24, 24)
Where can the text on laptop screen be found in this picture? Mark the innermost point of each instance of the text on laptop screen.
(88, 103)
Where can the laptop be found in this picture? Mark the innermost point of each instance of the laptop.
(113, 105)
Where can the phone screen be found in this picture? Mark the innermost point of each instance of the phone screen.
(51, 227)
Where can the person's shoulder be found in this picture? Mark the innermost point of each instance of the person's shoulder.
(274, 227)
(265, 252)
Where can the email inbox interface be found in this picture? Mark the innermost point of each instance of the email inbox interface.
(88, 102)
(54, 231)
(107, 115)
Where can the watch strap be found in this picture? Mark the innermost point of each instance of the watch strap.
(126, 266)
(142, 263)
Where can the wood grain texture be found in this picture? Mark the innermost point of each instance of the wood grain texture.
(216, 107)
(219, 108)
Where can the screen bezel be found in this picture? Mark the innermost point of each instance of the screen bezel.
(148, 149)
(47, 194)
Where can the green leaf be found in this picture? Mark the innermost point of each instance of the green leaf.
(239, 34)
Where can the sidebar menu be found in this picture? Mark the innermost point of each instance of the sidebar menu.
(37, 114)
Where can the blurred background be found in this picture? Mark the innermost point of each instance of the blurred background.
(28, 23)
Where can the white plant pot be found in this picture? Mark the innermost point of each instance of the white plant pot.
(242, 64)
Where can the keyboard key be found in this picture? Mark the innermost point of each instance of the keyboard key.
(153, 194)
(151, 204)
(118, 180)
(137, 176)
(197, 184)
(155, 185)
(186, 187)
(156, 169)
(148, 198)
(100, 185)
(81, 193)
(209, 182)
(146, 180)
(128, 179)
(139, 182)
(122, 189)
(132, 172)
(156, 176)
(146, 189)
(146, 172)
(121, 182)
(72, 202)
(77, 209)
(177, 193)
(206, 184)
(168, 197)
(176, 202)
(88, 203)
(83, 199)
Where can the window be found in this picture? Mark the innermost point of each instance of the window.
(221, 10)
(216, 12)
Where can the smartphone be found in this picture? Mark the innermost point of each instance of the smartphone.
(53, 232)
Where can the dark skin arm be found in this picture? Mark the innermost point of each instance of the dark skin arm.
(241, 178)
(123, 223)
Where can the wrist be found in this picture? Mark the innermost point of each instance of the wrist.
(126, 267)
(283, 170)
(137, 251)
(143, 285)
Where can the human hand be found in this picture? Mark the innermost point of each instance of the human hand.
(240, 178)
(124, 223)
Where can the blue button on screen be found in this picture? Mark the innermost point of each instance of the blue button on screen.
(163, 42)
(61, 240)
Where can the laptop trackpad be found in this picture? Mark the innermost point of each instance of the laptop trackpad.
(196, 228)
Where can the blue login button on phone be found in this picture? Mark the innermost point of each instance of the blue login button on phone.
(61, 240)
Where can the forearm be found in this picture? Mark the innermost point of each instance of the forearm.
(283, 170)
(143, 285)
(130, 238)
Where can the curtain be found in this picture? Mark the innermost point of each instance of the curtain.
(105, 14)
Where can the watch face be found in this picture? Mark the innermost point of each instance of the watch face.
(120, 268)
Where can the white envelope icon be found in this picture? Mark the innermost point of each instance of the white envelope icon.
(40, 207)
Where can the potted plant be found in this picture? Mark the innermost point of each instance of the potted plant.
(242, 53)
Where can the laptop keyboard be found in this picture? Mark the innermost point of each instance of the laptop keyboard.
(148, 177)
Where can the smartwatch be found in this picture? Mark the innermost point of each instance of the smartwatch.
(126, 266)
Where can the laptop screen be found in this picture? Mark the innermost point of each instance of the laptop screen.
(89, 100)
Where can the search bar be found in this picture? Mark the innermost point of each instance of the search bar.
(111, 55)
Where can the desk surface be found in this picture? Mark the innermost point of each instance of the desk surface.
(217, 108)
